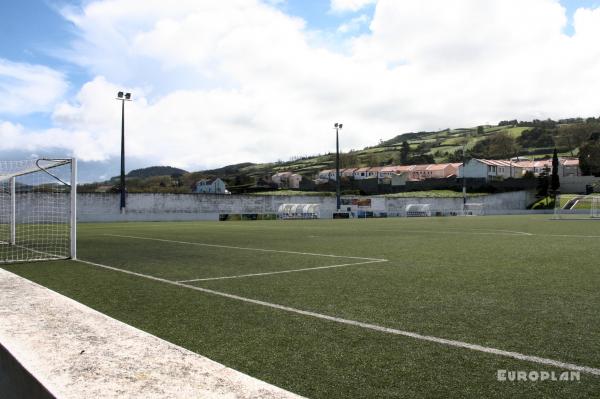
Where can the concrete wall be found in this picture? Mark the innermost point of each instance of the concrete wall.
(157, 207)
(16, 382)
(493, 204)
(576, 184)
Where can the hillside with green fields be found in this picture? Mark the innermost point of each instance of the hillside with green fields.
(534, 139)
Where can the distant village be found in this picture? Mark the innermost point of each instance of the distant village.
(475, 169)
(399, 175)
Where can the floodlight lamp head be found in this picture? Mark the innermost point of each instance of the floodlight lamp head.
(120, 94)
(340, 125)
(336, 125)
(127, 96)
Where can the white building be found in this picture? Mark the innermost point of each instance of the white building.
(490, 169)
(348, 172)
(366, 173)
(211, 186)
(327, 175)
(414, 172)
(566, 166)
(287, 180)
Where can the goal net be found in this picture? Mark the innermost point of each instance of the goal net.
(473, 209)
(418, 210)
(570, 206)
(37, 210)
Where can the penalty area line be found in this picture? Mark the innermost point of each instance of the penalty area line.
(368, 326)
(243, 248)
(282, 271)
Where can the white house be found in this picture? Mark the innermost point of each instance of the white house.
(389, 171)
(566, 166)
(366, 173)
(490, 169)
(287, 180)
(281, 178)
(348, 172)
(396, 179)
(211, 186)
(570, 167)
(328, 174)
(294, 180)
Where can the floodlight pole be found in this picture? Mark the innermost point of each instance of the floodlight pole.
(464, 177)
(123, 97)
(337, 128)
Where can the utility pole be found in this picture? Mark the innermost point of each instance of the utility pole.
(464, 176)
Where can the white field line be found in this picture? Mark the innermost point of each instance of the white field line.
(282, 271)
(49, 255)
(524, 233)
(568, 235)
(459, 232)
(373, 327)
(244, 248)
(495, 233)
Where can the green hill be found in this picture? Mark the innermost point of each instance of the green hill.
(153, 171)
(534, 139)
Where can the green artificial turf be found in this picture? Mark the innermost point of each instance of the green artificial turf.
(524, 284)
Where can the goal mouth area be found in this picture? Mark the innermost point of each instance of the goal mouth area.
(473, 209)
(38, 209)
(577, 207)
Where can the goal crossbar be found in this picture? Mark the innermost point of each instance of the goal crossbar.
(21, 168)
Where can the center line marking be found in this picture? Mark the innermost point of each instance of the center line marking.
(281, 271)
(368, 326)
(244, 248)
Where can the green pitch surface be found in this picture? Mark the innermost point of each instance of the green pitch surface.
(424, 307)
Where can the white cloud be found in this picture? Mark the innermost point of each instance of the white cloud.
(14, 137)
(218, 82)
(350, 5)
(26, 88)
(354, 24)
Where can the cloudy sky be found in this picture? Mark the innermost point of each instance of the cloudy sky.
(228, 81)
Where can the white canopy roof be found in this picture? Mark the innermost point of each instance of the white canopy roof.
(298, 209)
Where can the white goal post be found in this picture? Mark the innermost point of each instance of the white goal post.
(38, 210)
(571, 206)
(473, 209)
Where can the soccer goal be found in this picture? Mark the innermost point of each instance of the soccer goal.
(38, 210)
(473, 209)
(418, 210)
(570, 206)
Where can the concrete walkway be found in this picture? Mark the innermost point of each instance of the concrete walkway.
(77, 352)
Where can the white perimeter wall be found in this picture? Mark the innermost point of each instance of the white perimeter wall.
(576, 184)
(505, 203)
(96, 207)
